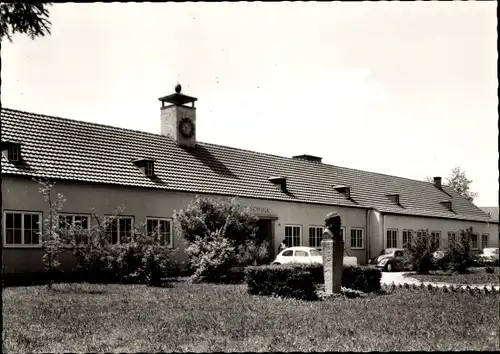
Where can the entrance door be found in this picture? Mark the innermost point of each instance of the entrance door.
(265, 233)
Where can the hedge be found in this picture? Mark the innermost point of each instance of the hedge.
(300, 281)
(281, 280)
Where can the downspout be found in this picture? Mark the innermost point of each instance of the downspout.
(368, 234)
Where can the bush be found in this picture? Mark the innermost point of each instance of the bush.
(490, 270)
(459, 256)
(293, 281)
(263, 280)
(421, 248)
(362, 278)
(221, 235)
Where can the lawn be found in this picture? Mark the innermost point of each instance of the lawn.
(206, 318)
(476, 276)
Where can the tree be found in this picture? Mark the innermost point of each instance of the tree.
(461, 184)
(429, 179)
(221, 235)
(26, 18)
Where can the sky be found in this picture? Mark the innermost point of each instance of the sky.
(401, 88)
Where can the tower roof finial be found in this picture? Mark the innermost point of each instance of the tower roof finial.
(178, 88)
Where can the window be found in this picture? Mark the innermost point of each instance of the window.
(392, 239)
(474, 241)
(452, 236)
(162, 227)
(436, 236)
(120, 229)
(484, 240)
(356, 238)
(301, 254)
(315, 236)
(22, 228)
(407, 237)
(314, 253)
(13, 153)
(288, 253)
(398, 254)
(76, 221)
(149, 169)
(292, 235)
(419, 233)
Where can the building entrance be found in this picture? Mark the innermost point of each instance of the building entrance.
(266, 233)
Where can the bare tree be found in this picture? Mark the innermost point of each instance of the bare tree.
(26, 18)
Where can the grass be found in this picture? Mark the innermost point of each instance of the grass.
(207, 318)
(475, 276)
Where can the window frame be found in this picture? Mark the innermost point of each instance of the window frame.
(14, 150)
(362, 247)
(406, 231)
(292, 237)
(171, 231)
(452, 235)
(387, 238)
(316, 237)
(149, 169)
(487, 240)
(438, 233)
(22, 245)
(73, 215)
(472, 242)
(118, 225)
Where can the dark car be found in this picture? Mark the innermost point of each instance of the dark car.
(391, 259)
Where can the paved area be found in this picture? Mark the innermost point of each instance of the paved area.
(399, 278)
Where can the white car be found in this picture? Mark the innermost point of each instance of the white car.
(306, 255)
(488, 255)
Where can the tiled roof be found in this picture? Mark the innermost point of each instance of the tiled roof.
(492, 211)
(61, 148)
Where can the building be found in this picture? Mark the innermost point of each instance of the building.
(101, 167)
(493, 212)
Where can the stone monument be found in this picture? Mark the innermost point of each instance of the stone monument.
(333, 253)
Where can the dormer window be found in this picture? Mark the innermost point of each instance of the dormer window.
(280, 182)
(146, 166)
(149, 169)
(12, 151)
(393, 198)
(345, 190)
(447, 204)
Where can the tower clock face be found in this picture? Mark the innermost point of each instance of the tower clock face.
(186, 128)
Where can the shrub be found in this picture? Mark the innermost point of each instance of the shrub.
(490, 270)
(211, 258)
(293, 281)
(144, 258)
(262, 280)
(459, 256)
(221, 235)
(421, 248)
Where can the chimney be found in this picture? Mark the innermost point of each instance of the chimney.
(437, 182)
(178, 121)
(309, 158)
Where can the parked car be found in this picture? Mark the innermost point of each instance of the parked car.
(391, 259)
(306, 255)
(488, 256)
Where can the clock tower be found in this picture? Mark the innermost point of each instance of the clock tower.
(178, 120)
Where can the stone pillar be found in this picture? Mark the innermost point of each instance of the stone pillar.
(333, 254)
